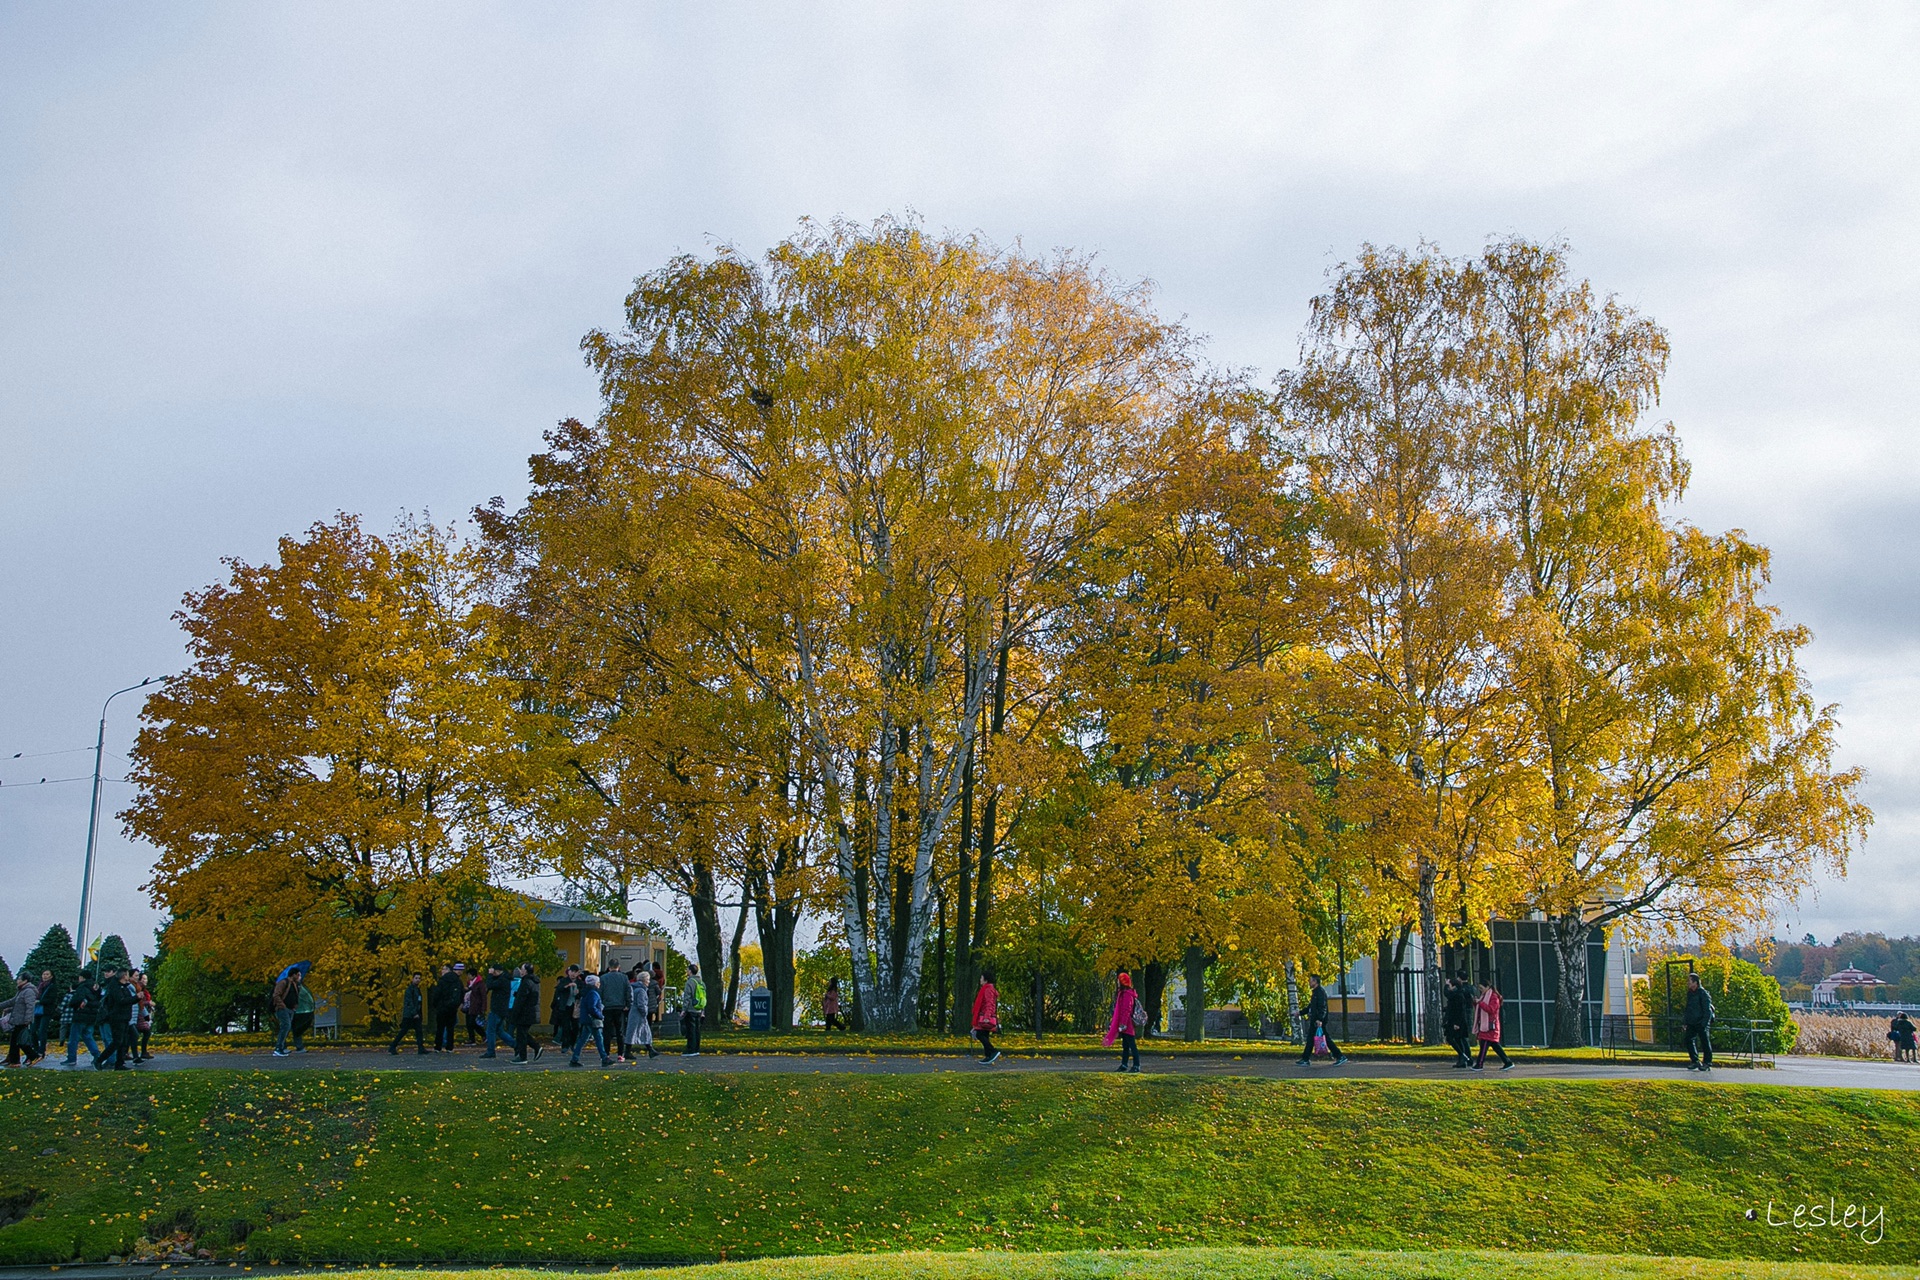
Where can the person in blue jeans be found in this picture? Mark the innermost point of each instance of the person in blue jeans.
(593, 1012)
(499, 1000)
(86, 1014)
(286, 994)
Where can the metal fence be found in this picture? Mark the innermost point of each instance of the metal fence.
(1738, 1039)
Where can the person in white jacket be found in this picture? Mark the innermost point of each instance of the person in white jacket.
(639, 1024)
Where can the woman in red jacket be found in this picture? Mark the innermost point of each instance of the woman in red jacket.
(1486, 1028)
(986, 1016)
(1123, 1025)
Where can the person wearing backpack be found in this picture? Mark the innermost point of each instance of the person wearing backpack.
(1128, 1021)
(1317, 1025)
(1697, 1022)
(286, 993)
(986, 1016)
(693, 1007)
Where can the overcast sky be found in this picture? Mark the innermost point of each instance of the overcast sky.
(262, 263)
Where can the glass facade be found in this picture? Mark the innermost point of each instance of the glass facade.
(1527, 969)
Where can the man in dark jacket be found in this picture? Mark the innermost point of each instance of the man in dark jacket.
(445, 1002)
(1457, 1016)
(1696, 1020)
(499, 989)
(410, 1018)
(83, 1007)
(46, 1012)
(615, 996)
(117, 999)
(1317, 1021)
(526, 1012)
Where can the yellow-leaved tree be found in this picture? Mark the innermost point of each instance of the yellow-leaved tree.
(324, 782)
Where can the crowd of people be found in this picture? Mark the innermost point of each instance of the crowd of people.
(616, 1012)
(109, 1010)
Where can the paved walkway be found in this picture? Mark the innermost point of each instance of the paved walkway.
(1825, 1073)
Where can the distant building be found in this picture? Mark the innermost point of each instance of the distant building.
(1827, 990)
(592, 941)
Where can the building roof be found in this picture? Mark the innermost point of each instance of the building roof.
(1851, 978)
(553, 914)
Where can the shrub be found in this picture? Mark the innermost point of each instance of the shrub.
(1740, 992)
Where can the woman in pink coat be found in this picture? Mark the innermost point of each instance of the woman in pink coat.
(1486, 1028)
(1122, 1024)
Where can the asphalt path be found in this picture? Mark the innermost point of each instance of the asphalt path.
(1819, 1073)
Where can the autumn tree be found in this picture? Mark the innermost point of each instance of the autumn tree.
(876, 450)
(1189, 674)
(1681, 771)
(322, 782)
(1413, 570)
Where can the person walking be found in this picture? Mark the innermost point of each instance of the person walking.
(142, 1018)
(693, 1007)
(117, 1002)
(302, 1014)
(592, 1022)
(83, 1006)
(445, 1002)
(640, 1013)
(616, 994)
(1697, 1025)
(1486, 1027)
(1901, 1032)
(1456, 1008)
(1129, 1016)
(830, 1005)
(657, 997)
(566, 995)
(19, 1018)
(473, 1000)
(46, 1012)
(498, 997)
(410, 1017)
(526, 1012)
(986, 1016)
(285, 995)
(1317, 1025)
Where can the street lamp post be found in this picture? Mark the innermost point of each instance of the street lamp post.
(93, 810)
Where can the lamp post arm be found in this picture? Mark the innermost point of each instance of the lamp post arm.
(93, 809)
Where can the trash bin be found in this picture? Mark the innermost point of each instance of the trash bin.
(760, 1009)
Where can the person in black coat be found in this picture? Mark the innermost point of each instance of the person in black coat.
(1695, 1022)
(566, 998)
(1317, 1021)
(117, 999)
(1457, 1017)
(409, 1018)
(499, 989)
(526, 1012)
(445, 1002)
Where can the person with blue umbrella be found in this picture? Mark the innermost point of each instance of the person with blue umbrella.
(286, 998)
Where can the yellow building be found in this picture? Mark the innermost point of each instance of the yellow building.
(592, 941)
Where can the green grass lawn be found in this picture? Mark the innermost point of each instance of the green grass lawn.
(1248, 1264)
(369, 1165)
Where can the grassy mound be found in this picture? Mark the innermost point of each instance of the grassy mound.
(594, 1166)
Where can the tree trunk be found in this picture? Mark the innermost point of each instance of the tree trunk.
(1153, 990)
(775, 923)
(733, 954)
(708, 943)
(1196, 965)
(1430, 976)
(1295, 1031)
(1570, 934)
(964, 978)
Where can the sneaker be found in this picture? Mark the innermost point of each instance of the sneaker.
(995, 1058)
(576, 1063)
(489, 1055)
(537, 1052)
(652, 1052)
(1476, 1067)
(281, 1053)
(1693, 1066)
(1340, 1061)
(394, 1051)
(420, 1052)
(606, 1062)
